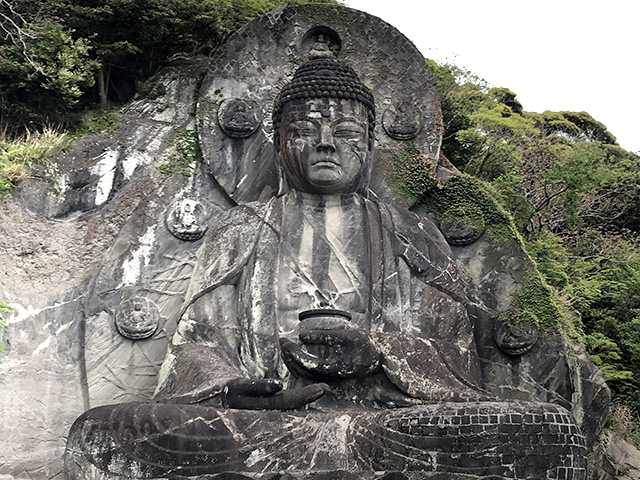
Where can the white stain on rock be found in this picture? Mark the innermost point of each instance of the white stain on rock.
(133, 161)
(255, 456)
(132, 268)
(62, 184)
(106, 170)
(42, 346)
(21, 313)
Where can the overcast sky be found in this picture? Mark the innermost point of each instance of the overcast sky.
(577, 55)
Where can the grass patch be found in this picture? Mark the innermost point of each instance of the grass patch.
(624, 422)
(4, 308)
(102, 120)
(16, 154)
(187, 154)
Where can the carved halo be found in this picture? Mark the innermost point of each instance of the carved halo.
(187, 219)
(402, 121)
(239, 118)
(259, 59)
(321, 41)
(137, 318)
(515, 337)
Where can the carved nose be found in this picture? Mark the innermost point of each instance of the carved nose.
(325, 143)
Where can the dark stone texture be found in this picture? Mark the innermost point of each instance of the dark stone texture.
(261, 57)
(72, 257)
(503, 440)
(612, 458)
(515, 338)
(460, 233)
(550, 370)
(590, 386)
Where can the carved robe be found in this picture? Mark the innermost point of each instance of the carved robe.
(412, 302)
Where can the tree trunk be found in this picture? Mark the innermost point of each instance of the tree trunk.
(102, 86)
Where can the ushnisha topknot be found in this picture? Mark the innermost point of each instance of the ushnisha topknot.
(324, 78)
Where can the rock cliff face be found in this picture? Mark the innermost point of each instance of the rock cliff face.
(75, 256)
(97, 267)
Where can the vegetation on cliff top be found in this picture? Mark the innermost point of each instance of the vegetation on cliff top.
(574, 195)
(61, 59)
(61, 56)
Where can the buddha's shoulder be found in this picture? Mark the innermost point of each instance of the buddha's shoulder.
(249, 212)
(403, 221)
(238, 224)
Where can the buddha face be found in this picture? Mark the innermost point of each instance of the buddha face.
(325, 145)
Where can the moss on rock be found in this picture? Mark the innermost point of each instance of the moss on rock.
(467, 199)
(411, 175)
(536, 302)
(187, 154)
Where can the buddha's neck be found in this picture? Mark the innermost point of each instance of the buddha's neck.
(339, 200)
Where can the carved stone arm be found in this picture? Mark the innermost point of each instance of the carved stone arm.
(196, 373)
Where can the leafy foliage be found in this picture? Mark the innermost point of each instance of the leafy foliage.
(411, 174)
(48, 85)
(61, 56)
(466, 197)
(625, 422)
(65, 54)
(461, 93)
(17, 153)
(187, 154)
(574, 195)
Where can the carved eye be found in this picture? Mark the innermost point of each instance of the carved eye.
(348, 131)
(301, 130)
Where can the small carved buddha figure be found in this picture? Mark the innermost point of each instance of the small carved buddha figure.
(323, 331)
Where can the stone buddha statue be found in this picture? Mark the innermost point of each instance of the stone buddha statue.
(325, 334)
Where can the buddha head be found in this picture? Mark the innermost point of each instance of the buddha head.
(323, 130)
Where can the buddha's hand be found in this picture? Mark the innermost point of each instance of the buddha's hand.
(268, 394)
(332, 353)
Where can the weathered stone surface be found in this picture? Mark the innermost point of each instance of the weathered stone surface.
(423, 316)
(624, 457)
(515, 338)
(188, 219)
(613, 458)
(591, 397)
(70, 256)
(549, 370)
(473, 440)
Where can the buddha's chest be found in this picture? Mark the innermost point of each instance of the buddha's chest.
(323, 262)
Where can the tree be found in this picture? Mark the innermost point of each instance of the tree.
(43, 70)
(130, 40)
(461, 93)
(574, 195)
(55, 52)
